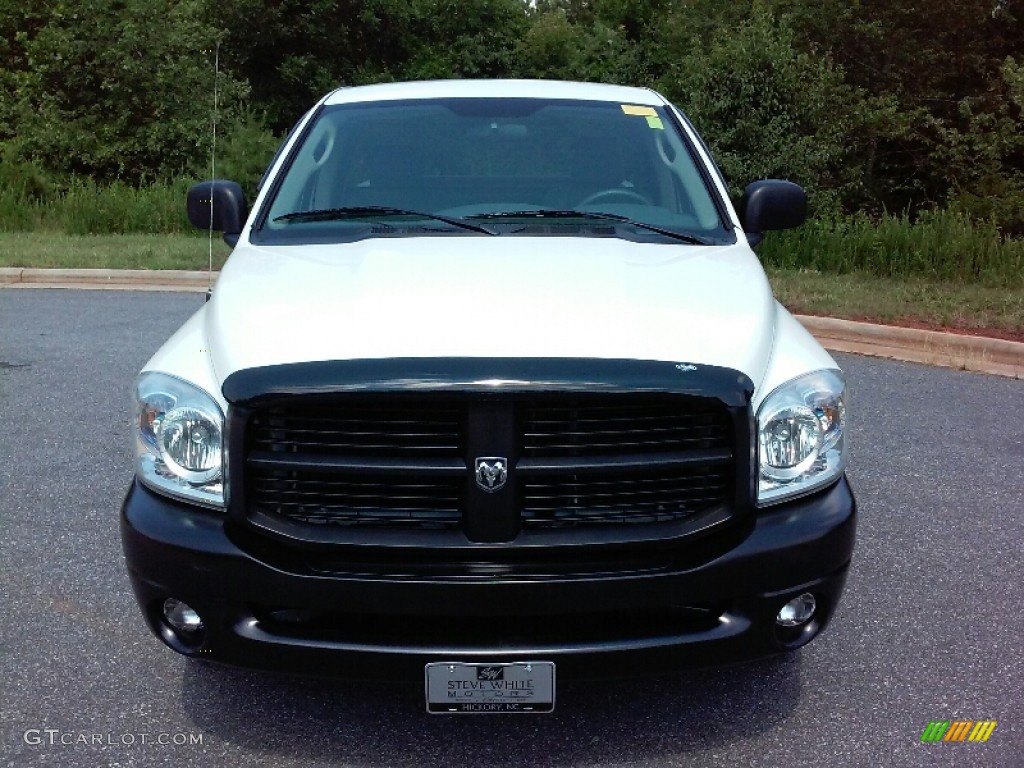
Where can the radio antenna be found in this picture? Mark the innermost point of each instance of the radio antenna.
(213, 162)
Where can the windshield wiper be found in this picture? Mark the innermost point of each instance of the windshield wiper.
(352, 212)
(553, 213)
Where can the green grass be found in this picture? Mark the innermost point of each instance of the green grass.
(84, 208)
(986, 308)
(57, 250)
(939, 246)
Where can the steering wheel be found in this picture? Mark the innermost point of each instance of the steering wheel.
(626, 194)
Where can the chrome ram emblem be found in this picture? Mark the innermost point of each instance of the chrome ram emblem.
(491, 473)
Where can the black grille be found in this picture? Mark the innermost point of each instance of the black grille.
(358, 429)
(625, 497)
(576, 461)
(328, 500)
(589, 427)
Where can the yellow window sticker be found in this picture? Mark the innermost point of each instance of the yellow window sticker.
(631, 109)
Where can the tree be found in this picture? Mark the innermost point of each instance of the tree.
(293, 52)
(942, 64)
(117, 88)
(586, 49)
(767, 108)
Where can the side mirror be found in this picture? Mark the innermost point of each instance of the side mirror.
(229, 208)
(772, 204)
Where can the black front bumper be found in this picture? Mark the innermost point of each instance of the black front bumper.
(258, 614)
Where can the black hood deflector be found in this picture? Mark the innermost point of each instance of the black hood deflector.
(491, 375)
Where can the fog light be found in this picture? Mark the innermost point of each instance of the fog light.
(797, 611)
(182, 617)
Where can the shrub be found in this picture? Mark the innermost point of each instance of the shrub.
(940, 245)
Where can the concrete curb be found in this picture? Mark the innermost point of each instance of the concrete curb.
(951, 350)
(972, 353)
(10, 275)
(111, 279)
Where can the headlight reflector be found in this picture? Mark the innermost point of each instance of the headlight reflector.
(179, 439)
(189, 442)
(790, 440)
(800, 428)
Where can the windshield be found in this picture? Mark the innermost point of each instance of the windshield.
(507, 166)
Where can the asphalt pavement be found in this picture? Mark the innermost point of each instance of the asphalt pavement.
(930, 627)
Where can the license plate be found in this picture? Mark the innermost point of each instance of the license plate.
(455, 687)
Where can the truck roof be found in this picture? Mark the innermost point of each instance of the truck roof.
(523, 89)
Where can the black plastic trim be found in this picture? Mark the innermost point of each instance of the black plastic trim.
(492, 384)
(437, 543)
(487, 375)
(433, 467)
(599, 464)
(175, 549)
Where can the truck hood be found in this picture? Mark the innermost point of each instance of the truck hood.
(512, 296)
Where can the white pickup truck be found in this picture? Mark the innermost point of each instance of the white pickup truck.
(491, 386)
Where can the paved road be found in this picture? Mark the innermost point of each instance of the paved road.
(930, 628)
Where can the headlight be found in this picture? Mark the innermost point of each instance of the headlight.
(800, 434)
(179, 439)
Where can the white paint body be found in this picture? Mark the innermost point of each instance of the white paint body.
(441, 295)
